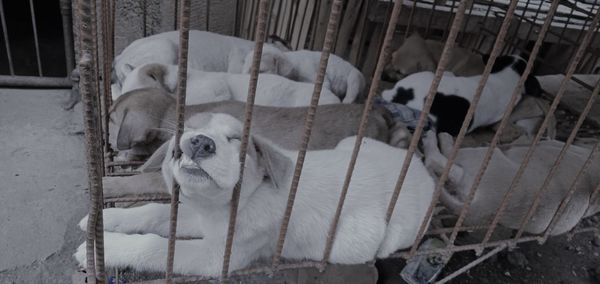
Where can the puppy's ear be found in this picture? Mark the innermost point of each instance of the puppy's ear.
(533, 87)
(154, 163)
(277, 165)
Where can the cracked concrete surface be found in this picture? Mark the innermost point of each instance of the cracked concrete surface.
(43, 186)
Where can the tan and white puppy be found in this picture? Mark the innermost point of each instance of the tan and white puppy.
(206, 87)
(207, 173)
(499, 175)
(417, 55)
(141, 120)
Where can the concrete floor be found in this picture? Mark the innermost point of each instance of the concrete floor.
(43, 186)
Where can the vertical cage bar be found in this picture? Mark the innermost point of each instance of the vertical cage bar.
(450, 18)
(332, 26)
(263, 10)
(595, 194)
(36, 39)
(106, 68)
(89, 93)
(533, 21)
(410, 19)
(554, 168)
(67, 25)
(563, 87)
(6, 42)
(572, 189)
(515, 35)
(184, 33)
(207, 15)
(383, 58)
(429, 19)
(443, 62)
(496, 50)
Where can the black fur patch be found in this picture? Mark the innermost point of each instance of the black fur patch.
(519, 66)
(450, 111)
(403, 96)
(502, 62)
(533, 87)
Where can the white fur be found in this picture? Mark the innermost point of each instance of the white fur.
(207, 51)
(205, 87)
(341, 77)
(205, 199)
(493, 102)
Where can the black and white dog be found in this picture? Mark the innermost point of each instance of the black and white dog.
(454, 94)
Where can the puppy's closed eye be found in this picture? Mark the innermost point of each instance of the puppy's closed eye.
(233, 138)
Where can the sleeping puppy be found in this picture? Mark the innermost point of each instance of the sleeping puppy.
(206, 87)
(209, 169)
(343, 79)
(418, 55)
(499, 175)
(207, 51)
(141, 120)
(454, 94)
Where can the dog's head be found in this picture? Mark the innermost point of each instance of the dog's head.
(272, 61)
(209, 167)
(135, 120)
(412, 57)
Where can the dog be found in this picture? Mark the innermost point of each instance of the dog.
(499, 175)
(141, 120)
(341, 77)
(209, 169)
(206, 87)
(454, 94)
(418, 55)
(207, 51)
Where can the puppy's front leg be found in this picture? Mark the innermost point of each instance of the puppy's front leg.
(436, 162)
(149, 253)
(150, 218)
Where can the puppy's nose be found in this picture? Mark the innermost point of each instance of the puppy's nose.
(202, 146)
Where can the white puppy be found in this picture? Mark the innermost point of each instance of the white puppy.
(206, 87)
(454, 94)
(207, 51)
(209, 169)
(347, 82)
(497, 179)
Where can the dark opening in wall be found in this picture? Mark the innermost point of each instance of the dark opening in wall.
(22, 41)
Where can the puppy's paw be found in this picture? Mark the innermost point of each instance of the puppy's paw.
(80, 255)
(429, 141)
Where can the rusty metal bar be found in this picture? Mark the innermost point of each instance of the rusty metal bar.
(162, 198)
(538, 136)
(472, 264)
(595, 194)
(184, 35)
(207, 15)
(496, 50)
(67, 25)
(383, 59)
(263, 6)
(465, 25)
(332, 26)
(565, 26)
(444, 58)
(106, 69)
(35, 81)
(567, 198)
(88, 89)
(450, 18)
(532, 23)
(6, 42)
(35, 39)
(515, 35)
(554, 168)
(483, 27)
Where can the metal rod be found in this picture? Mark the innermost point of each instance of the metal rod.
(35, 39)
(261, 25)
(67, 25)
(515, 34)
(184, 33)
(444, 58)
(207, 15)
(106, 74)
(559, 159)
(496, 50)
(332, 26)
(410, 19)
(472, 264)
(538, 136)
(6, 42)
(35, 81)
(383, 59)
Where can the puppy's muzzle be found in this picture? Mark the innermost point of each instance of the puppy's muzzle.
(202, 147)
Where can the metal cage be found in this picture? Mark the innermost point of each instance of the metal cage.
(495, 27)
